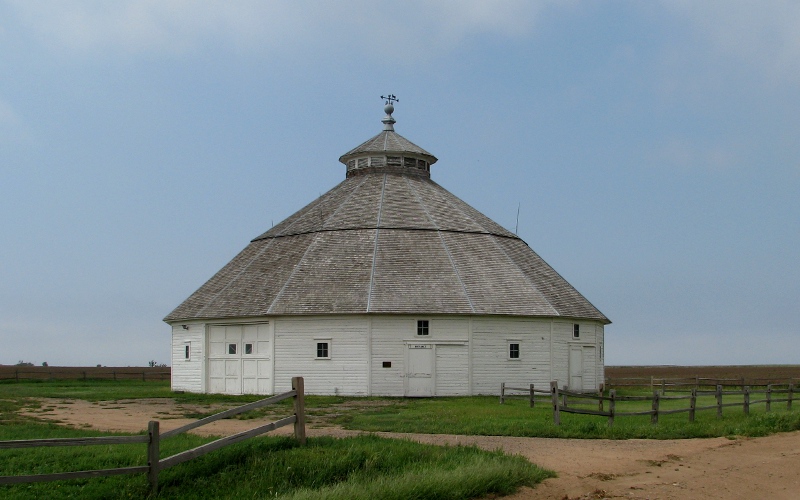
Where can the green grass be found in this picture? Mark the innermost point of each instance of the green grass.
(362, 467)
(359, 468)
(484, 416)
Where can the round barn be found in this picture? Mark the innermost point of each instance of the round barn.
(386, 285)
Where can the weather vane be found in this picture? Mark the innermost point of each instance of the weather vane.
(390, 99)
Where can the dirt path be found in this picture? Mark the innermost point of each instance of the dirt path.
(744, 468)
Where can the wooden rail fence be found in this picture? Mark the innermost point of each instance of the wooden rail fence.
(83, 373)
(559, 402)
(153, 439)
(679, 384)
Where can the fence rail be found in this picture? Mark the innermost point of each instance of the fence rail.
(153, 438)
(666, 384)
(559, 402)
(21, 373)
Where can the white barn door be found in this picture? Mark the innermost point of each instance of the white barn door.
(239, 359)
(420, 380)
(256, 360)
(576, 368)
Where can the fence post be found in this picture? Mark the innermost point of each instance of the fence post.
(502, 393)
(532, 400)
(556, 412)
(697, 381)
(719, 401)
(153, 455)
(612, 406)
(769, 397)
(84, 376)
(663, 386)
(654, 415)
(115, 375)
(652, 383)
(746, 391)
(600, 401)
(789, 396)
(299, 409)
(692, 405)
(142, 375)
(16, 375)
(564, 396)
(742, 383)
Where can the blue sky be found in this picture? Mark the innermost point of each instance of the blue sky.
(652, 148)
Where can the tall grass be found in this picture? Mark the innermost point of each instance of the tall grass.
(273, 467)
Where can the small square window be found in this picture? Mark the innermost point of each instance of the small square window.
(513, 351)
(576, 330)
(422, 327)
(387, 364)
(323, 350)
(187, 351)
(248, 348)
(231, 348)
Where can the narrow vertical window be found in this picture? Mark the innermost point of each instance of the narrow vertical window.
(422, 327)
(576, 330)
(323, 350)
(231, 348)
(513, 351)
(187, 352)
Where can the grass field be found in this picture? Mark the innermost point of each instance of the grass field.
(359, 467)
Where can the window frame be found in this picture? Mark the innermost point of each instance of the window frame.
(518, 350)
(423, 325)
(576, 330)
(328, 348)
(187, 351)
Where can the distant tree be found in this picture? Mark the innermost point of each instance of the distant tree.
(99, 365)
(152, 363)
(44, 363)
(24, 363)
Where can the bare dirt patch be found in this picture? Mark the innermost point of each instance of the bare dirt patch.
(743, 468)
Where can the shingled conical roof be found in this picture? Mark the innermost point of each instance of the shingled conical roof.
(387, 239)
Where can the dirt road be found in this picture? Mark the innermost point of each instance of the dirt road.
(741, 468)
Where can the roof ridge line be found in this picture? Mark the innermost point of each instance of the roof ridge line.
(375, 247)
(352, 193)
(289, 278)
(216, 296)
(391, 228)
(444, 244)
(526, 277)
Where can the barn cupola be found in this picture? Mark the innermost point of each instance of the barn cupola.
(388, 151)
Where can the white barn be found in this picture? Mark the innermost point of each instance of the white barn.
(386, 285)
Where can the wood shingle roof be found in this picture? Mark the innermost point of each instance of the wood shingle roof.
(386, 242)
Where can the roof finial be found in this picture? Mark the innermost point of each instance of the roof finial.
(388, 121)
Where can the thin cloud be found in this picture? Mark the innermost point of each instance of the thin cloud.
(181, 26)
(12, 129)
(763, 35)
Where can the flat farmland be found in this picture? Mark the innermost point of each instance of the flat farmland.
(749, 372)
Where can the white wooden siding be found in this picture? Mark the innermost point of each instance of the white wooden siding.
(491, 365)
(452, 365)
(296, 350)
(188, 375)
(387, 345)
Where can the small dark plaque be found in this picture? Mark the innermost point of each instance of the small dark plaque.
(387, 364)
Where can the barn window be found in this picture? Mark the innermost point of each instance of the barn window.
(231, 348)
(576, 330)
(513, 350)
(422, 327)
(323, 350)
(248, 348)
(187, 351)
